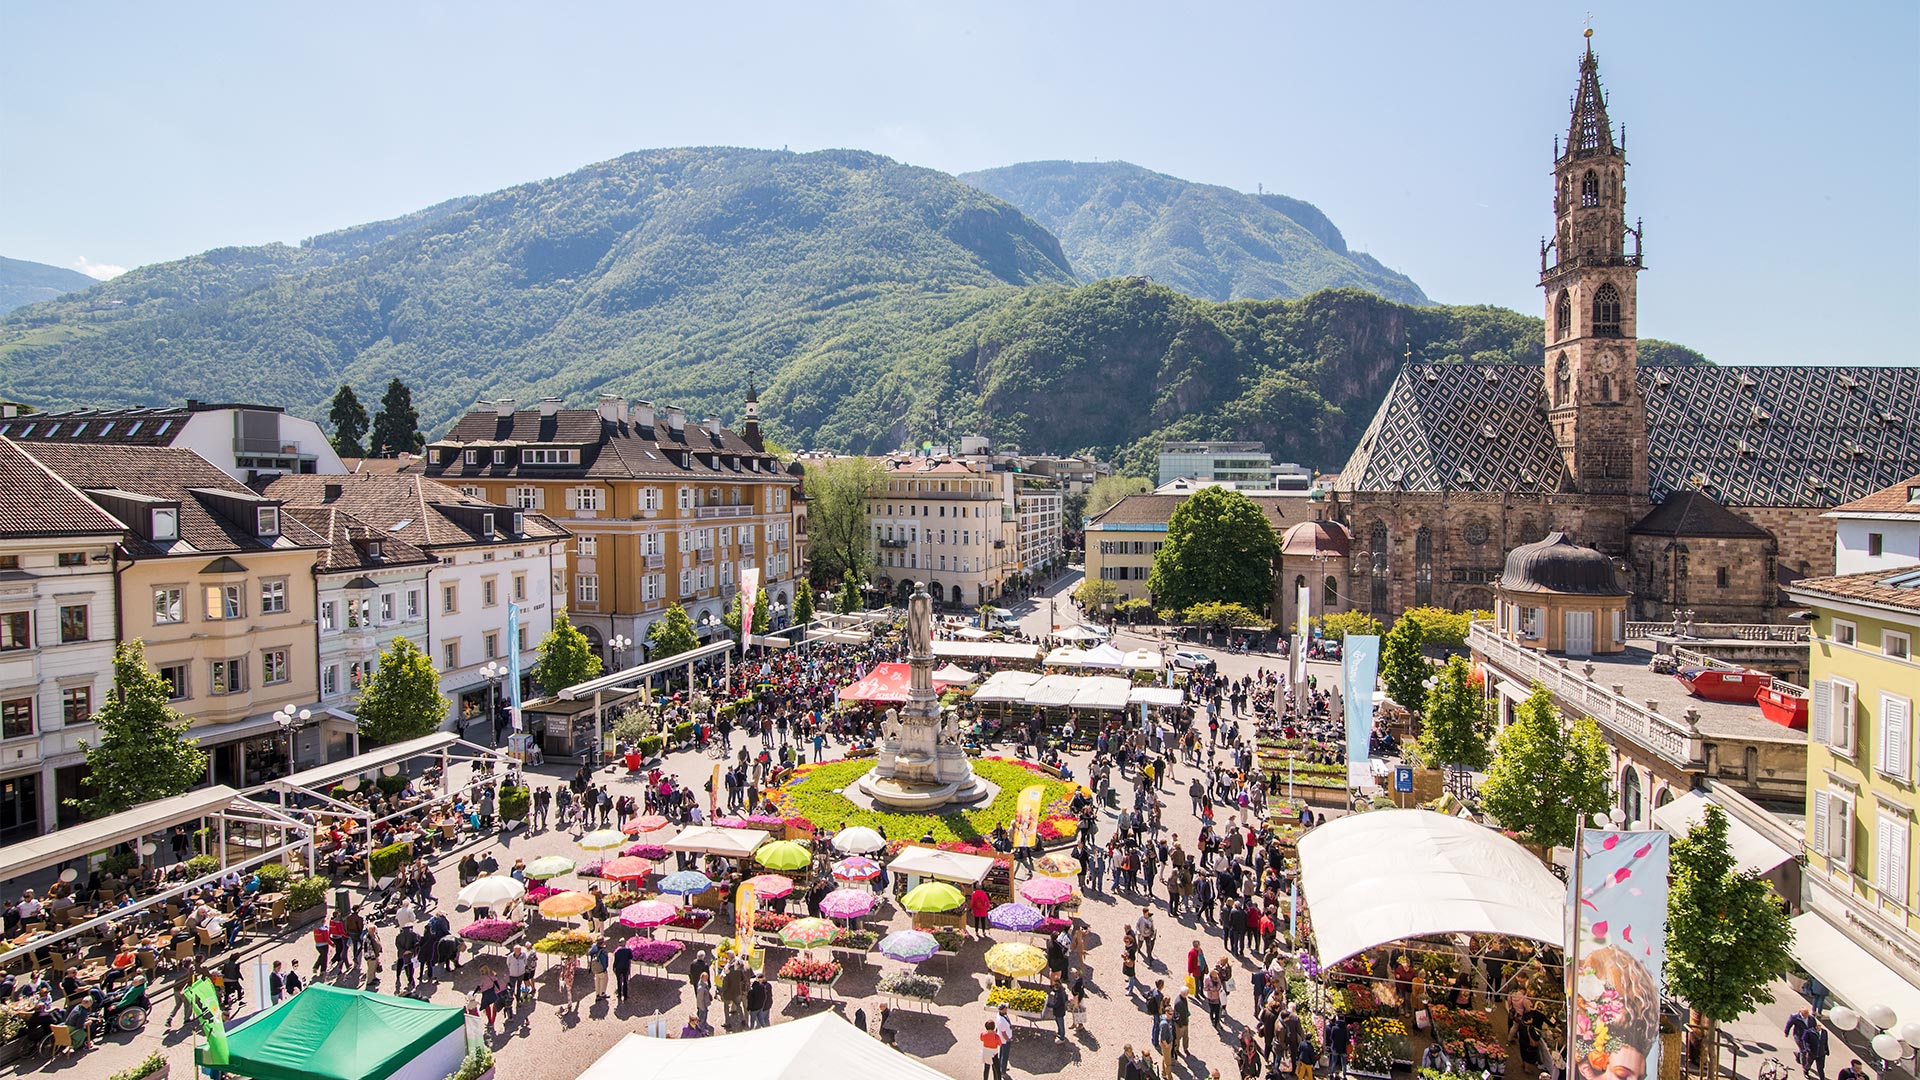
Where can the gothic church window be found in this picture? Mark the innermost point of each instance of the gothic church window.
(1606, 311)
(1562, 315)
(1330, 593)
(1377, 570)
(1590, 189)
(1562, 381)
(1423, 567)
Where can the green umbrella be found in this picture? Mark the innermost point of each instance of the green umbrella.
(783, 855)
(550, 867)
(932, 896)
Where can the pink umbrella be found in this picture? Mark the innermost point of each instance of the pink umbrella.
(771, 886)
(647, 823)
(856, 868)
(648, 913)
(625, 868)
(1045, 891)
(848, 903)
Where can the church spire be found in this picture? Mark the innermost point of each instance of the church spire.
(1589, 132)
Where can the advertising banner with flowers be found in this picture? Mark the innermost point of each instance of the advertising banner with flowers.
(1618, 954)
(1026, 815)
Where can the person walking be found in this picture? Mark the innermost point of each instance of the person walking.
(597, 963)
(978, 904)
(1004, 1025)
(622, 969)
(1058, 1003)
(322, 944)
(1215, 995)
(990, 1052)
(1182, 1022)
(1163, 1040)
(1339, 1039)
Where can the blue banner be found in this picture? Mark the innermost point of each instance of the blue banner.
(1359, 668)
(1619, 952)
(513, 663)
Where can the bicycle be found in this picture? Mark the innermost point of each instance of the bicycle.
(1773, 1069)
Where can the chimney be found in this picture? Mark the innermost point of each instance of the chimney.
(643, 414)
(676, 419)
(549, 406)
(610, 408)
(503, 406)
(331, 492)
(713, 427)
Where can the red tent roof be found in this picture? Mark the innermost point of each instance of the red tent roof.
(886, 684)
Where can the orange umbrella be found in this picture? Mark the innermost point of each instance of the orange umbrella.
(647, 823)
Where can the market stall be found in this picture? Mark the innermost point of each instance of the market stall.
(330, 1033)
(714, 840)
(823, 1046)
(886, 684)
(999, 652)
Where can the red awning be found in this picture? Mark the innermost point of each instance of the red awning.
(886, 684)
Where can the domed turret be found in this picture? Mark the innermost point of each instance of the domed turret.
(1558, 565)
(1561, 597)
(1316, 539)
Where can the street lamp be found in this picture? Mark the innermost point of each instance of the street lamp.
(491, 671)
(290, 720)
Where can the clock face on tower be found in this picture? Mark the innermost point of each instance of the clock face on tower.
(1607, 362)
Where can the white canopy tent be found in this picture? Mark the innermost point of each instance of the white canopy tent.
(1005, 687)
(714, 840)
(1853, 974)
(1104, 655)
(1157, 695)
(1107, 692)
(1751, 850)
(1077, 633)
(1375, 878)
(819, 1047)
(954, 675)
(946, 865)
(971, 633)
(1053, 692)
(1144, 660)
(1066, 656)
(985, 650)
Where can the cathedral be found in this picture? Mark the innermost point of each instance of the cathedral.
(1705, 483)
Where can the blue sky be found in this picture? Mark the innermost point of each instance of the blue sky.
(1775, 147)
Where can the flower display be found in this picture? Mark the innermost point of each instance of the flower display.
(653, 852)
(1019, 999)
(537, 893)
(770, 921)
(1059, 827)
(1051, 927)
(591, 869)
(691, 919)
(805, 969)
(909, 984)
(491, 931)
(949, 940)
(855, 939)
(655, 952)
(565, 943)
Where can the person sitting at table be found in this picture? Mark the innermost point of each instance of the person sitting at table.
(29, 908)
(133, 997)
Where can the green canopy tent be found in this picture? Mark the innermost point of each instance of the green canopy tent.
(328, 1033)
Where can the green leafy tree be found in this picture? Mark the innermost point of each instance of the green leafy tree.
(566, 656)
(1337, 625)
(849, 598)
(1727, 938)
(1442, 628)
(672, 633)
(803, 603)
(1134, 608)
(143, 751)
(1456, 725)
(1223, 616)
(349, 420)
(1403, 667)
(402, 701)
(1111, 489)
(837, 533)
(762, 620)
(1219, 546)
(1546, 774)
(396, 426)
(1091, 593)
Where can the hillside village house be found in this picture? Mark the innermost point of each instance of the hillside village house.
(57, 618)
(245, 441)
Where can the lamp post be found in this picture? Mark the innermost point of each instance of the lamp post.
(618, 645)
(290, 720)
(492, 671)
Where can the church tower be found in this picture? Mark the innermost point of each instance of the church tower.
(1589, 274)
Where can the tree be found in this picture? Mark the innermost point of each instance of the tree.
(396, 426)
(402, 701)
(566, 656)
(1091, 593)
(1443, 628)
(837, 533)
(1727, 939)
(1222, 616)
(349, 420)
(1456, 725)
(143, 751)
(850, 597)
(672, 633)
(762, 619)
(1337, 625)
(1219, 546)
(1403, 667)
(1111, 489)
(803, 603)
(1546, 775)
(1134, 608)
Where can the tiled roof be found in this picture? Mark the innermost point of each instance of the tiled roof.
(405, 463)
(609, 449)
(1901, 498)
(1888, 588)
(420, 511)
(1694, 513)
(172, 474)
(38, 503)
(1781, 436)
(128, 427)
(342, 530)
(1458, 427)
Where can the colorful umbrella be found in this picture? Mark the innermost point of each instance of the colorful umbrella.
(648, 913)
(771, 886)
(488, 890)
(858, 840)
(856, 868)
(552, 866)
(783, 855)
(686, 883)
(1015, 961)
(1045, 891)
(848, 904)
(626, 868)
(603, 840)
(909, 946)
(644, 824)
(566, 905)
(1058, 864)
(806, 933)
(933, 896)
(1021, 917)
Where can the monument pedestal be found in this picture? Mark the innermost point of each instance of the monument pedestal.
(918, 764)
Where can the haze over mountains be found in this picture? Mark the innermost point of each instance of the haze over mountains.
(23, 283)
(877, 303)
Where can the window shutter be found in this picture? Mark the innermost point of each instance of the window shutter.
(573, 498)
(1883, 846)
(1822, 721)
(1897, 880)
(1895, 721)
(539, 498)
(1822, 812)
(1840, 832)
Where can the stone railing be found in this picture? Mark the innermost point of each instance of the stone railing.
(722, 511)
(1678, 741)
(1783, 633)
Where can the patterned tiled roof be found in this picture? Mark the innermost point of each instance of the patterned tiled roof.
(609, 449)
(1695, 513)
(38, 503)
(410, 508)
(1781, 436)
(1458, 427)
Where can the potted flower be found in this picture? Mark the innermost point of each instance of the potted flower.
(492, 931)
(805, 969)
(154, 1067)
(655, 953)
(306, 900)
(1023, 1000)
(477, 1066)
(909, 984)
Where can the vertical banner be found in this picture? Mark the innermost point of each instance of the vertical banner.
(746, 904)
(1618, 953)
(1359, 668)
(1026, 816)
(203, 1001)
(513, 666)
(749, 592)
(1303, 604)
(713, 787)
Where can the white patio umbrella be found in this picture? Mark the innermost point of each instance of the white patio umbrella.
(858, 840)
(492, 890)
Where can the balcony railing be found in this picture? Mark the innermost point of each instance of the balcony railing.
(656, 561)
(780, 544)
(1669, 738)
(746, 547)
(1783, 633)
(887, 543)
(706, 554)
(722, 511)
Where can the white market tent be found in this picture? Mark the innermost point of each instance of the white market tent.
(1005, 687)
(971, 633)
(1375, 878)
(985, 650)
(1053, 692)
(1751, 850)
(1144, 660)
(954, 675)
(819, 1047)
(1105, 656)
(1107, 692)
(1066, 656)
(714, 840)
(1156, 695)
(1077, 633)
(919, 861)
(1854, 975)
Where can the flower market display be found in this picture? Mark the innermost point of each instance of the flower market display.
(910, 984)
(651, 852)
(655, 953)
(1020, 999)
(815, 794)
(565, 943)
(1379, 1042)
(691, 919)
(804, 969)
(771, 921)
(491, 931)
(1468, 1035)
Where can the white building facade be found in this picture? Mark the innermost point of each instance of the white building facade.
(247, 442)
(1880, 531)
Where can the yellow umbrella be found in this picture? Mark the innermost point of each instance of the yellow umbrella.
(566, 905)
(1015, 960)
(1058, 864)
(783, 855)
(604, 840)
(933, 896)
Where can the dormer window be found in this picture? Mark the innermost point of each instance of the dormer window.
(499, 457)
(472, 457)
(486, 524)
(374, 549)
(266, 521)
(165, 523)
(519, 524)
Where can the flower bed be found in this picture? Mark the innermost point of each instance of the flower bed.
(491, 931)
(910, 984)
(814, 794)
(805, 969)
(1018, 998)
(655, 953)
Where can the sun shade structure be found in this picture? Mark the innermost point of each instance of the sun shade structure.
(1015, 960)
(806, 933)
(566, 905)
(1385, 875)
(1751, 850)
(783, 855)
(856, 868)
(771, 886)
(685, 883)
(819, 1047)
(1045, 891)
(945, 865)
(550, 866)
(1023, 918)
(954, 675)
(713, 840)
(329, 1033)
(909, 946)
(885, 684)
(603, 840)
(858, 840)
(932, 896)
(489, 890)
(848, 904)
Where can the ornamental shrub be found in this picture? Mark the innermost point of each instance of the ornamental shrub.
(202, 865)
(273, 876)
(651, 745)
(683, 731)
(514, 803)
(305, 893)
(387, 861)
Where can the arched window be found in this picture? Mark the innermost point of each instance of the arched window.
(1606, 311)
(1423, 567)
(1330, 593)
(1377, 570)
(1562, 315)
(1630, 804)
(1590, 189)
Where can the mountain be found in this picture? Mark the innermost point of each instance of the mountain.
(1116, 219)
(23, 283)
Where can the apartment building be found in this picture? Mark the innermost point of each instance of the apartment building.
(948, 523)
(1039, 511)
(57, 615)
(245, 441)
(1123, 539)
(663, 511)
(1243, 465)
(1880, 531)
